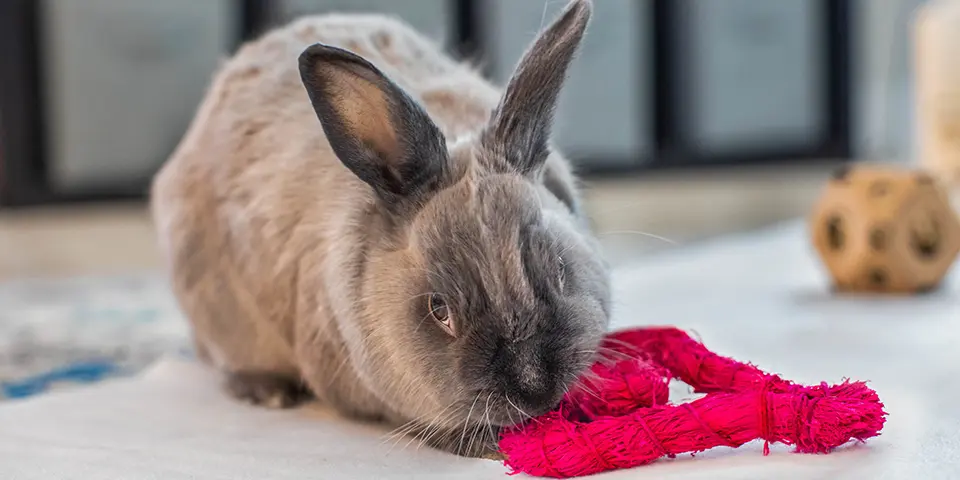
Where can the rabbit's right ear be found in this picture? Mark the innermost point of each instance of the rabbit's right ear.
(519, 130)
(378, 132)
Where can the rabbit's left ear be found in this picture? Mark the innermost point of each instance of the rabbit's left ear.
(378, 132)
(519, 129)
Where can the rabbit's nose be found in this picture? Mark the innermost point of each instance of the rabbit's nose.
(526, 378)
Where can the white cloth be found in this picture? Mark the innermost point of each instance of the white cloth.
(761, 298)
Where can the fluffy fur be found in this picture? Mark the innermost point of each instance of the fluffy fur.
(341, 173)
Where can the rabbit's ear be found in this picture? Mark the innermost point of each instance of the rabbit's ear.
(378, 132)
(519, 129)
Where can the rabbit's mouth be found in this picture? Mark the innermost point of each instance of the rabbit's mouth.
(497, 409)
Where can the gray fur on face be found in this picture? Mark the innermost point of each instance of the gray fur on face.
(527, 294)
(525, 289)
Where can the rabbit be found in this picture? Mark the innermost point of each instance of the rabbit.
(355, 218)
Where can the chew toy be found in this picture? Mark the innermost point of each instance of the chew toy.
(619, 415)
(886, 229)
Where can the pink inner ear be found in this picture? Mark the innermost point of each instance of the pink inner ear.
(616, 417)
(365, 111)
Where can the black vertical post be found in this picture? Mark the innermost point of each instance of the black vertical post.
(664, 71)
(254, 18)
(840, 35)
(670, 37)
(467, 28)
(23, 156)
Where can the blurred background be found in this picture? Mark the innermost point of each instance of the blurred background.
(681, 114)
(687, 118)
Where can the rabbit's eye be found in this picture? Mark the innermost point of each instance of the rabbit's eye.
(441, 313)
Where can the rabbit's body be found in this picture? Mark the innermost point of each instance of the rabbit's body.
(281, 257)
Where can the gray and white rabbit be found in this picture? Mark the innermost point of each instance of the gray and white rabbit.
(356, 217)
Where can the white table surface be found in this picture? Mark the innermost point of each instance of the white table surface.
(761, 298)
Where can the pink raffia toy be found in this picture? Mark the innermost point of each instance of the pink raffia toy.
(620, 416)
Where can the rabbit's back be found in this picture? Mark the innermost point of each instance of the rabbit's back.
(259, 90)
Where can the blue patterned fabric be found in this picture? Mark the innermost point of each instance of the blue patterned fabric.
(79, 372)
(66, 332)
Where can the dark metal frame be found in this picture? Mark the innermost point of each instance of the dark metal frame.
(837, 102)
(23, 161)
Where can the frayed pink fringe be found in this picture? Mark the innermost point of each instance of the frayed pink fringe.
(618, 417)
